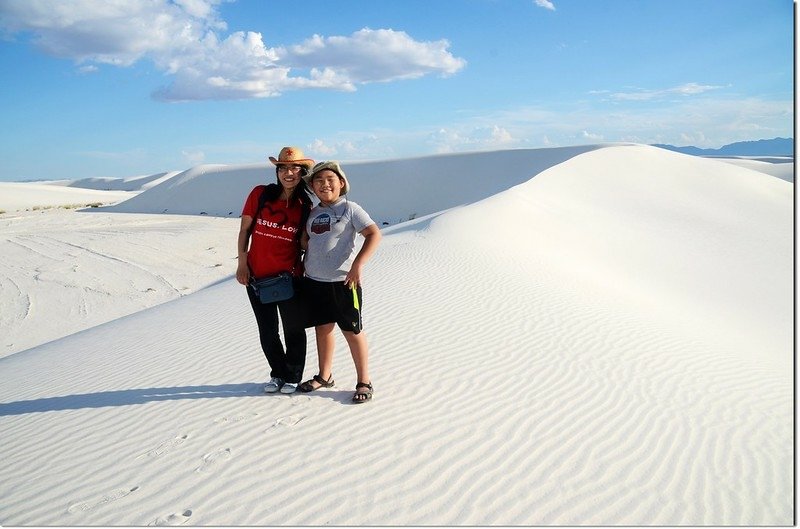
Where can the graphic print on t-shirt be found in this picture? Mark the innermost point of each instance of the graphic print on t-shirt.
(273, 244)
(278, 217)
(321, 224)
(276, 224)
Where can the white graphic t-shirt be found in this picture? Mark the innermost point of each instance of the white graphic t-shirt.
(332, 232)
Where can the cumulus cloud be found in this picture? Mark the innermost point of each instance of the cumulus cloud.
(501, 135)
(183, 39)
(354, 146)
(589, 136)
(116, 32)
(372, 56)
(321, 148)
(547, 4)
(472, 138)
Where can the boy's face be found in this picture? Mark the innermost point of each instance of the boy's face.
(327, 185)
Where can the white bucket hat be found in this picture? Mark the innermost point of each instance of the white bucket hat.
(331, 165)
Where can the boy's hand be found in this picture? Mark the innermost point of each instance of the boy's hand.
(353, 277)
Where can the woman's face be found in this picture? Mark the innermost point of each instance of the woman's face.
(289, 176)
(327, 186)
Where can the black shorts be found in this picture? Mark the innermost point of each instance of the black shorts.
(333, 303)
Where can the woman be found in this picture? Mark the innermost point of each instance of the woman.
(269, 244)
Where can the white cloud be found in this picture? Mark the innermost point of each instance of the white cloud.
(194, 157)
(694, 138)
(373, 56)
(199, 8)
(466, 138)
(116, 32)
(687, 89)
(354, 147)
(321, 149)
(704, 122)
(591, 136)
(181, 39)
(547, 4)
(707, 122)
(498, 136)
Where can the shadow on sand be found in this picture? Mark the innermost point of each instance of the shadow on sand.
(128, 397)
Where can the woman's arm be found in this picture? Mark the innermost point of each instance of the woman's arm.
(242, 270)
(304, 241)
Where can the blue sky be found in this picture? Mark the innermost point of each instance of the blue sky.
(123, 88)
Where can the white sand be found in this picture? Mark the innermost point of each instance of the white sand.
(19, 196)
(607, 343)
(780, 166)
(64, 271)
(71, 194)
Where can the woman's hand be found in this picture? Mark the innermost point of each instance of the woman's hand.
(243, 272)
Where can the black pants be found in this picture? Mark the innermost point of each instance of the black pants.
(285, 364)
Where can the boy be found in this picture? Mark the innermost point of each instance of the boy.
(333, 273)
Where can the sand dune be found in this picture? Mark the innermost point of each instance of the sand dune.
(607, 341)
(136, 183)
(397, 190)
(20, 196)
(781, 167)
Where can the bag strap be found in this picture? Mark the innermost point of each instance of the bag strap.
(262, 200)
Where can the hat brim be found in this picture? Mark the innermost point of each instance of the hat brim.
(305, 162)
(346, 184)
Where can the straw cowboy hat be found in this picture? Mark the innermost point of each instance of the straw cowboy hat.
(292, 156)
(332, 165)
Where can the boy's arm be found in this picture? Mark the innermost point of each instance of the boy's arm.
(372, 237)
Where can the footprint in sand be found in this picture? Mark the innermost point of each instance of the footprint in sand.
(300, 399)
(164, 447)
(212, 460)
(235, 418)
(102, 500)
(289, 420)
(175, 518)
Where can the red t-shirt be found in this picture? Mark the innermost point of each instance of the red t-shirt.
(274, 244)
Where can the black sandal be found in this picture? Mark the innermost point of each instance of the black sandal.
(362, 396)
(307, 387)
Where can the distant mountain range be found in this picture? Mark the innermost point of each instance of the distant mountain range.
(773, 147)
